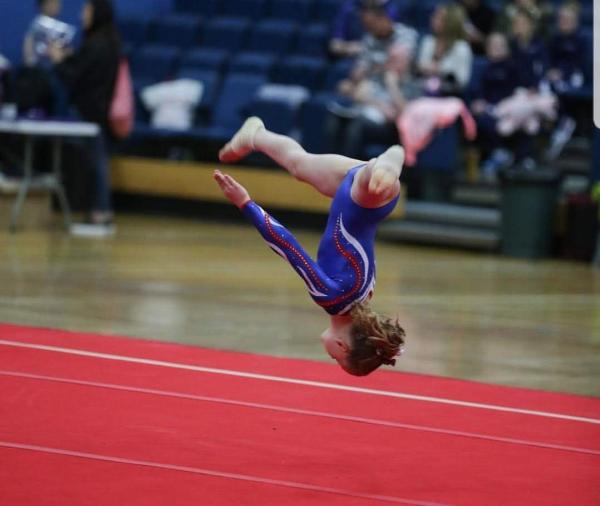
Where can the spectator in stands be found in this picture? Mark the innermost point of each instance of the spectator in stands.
(445, 57)
(348, 30)
(479, 23)
(531, 59)
(38, 88)
(32, 55)
(497, 83)
(540, 13)
(379, 85)
(566, 64)
(90, 75)
(528, 50)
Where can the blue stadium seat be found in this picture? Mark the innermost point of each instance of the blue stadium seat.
(251, 9)
(295, 10)
(313, 119)
(232, 106)
(312, 40)
(210, 80)
(154, 62)
(252, 63)
(326, 10)
(280, 116)
(206, 58)
(273, 37)
(134, 30)
(182, 30)
(336, 72)
(206, 8)
(226, 33)
(307, 71)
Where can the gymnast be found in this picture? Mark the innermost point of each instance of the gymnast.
(341, 281)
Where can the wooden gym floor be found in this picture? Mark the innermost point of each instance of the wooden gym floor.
(467, 315)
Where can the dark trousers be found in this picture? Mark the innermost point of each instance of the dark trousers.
(350, 136)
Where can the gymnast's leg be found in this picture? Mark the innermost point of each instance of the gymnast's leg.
(323, 172)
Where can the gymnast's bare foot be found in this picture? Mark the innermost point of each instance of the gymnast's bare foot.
(234, 191)
(386, 170)
(242, 143)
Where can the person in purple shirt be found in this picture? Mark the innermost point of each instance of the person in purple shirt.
(342, 279)
(348, 30)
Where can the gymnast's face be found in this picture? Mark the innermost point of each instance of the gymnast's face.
(335, 344)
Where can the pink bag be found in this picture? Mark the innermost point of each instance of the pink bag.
(122, 111)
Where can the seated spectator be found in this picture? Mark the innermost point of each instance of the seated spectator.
(347, 28)
(497, 83)
(90, 74)
(540, 13)
(479, 23)
(508, 114)
(565, 73)
(445, 57)
(528, 50)
(379, 85)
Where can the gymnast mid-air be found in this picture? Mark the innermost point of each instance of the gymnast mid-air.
(342, 279)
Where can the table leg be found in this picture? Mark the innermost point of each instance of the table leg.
(24, 185)
(59, 189)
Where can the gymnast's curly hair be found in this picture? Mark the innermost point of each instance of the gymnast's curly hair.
(375, 339)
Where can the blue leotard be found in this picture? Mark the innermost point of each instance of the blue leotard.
(344, 272)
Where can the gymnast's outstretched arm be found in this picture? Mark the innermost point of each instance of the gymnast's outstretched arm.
(280, 239)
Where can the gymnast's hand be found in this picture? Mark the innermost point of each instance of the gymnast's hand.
(234, 191)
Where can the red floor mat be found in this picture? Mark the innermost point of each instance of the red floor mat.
(88, 419)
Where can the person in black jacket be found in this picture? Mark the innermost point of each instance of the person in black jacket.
(90, 74)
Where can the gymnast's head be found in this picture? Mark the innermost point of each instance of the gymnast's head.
(367, 341)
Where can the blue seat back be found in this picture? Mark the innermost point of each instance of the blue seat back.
(182, 30)
(134, 30)
(226, 33)
(312, 40)
(273, 36)
(237, 94)
(307, 71)
(210, 80)
(297, 10)
(154, 62)
(206, 58)
(252, 63)
(251, 9)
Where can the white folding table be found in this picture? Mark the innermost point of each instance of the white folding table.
(57, 131)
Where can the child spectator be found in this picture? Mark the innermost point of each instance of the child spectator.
(528, 50)
(540, 13)
(445, 57)
(497, 83)
(566, 64)
(44, 30)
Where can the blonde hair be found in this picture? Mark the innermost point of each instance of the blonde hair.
(454, 23)
(375, 339)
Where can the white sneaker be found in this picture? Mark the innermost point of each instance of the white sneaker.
(242, 143)
(92, 230)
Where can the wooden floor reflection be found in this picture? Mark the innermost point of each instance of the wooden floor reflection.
(467, 315)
